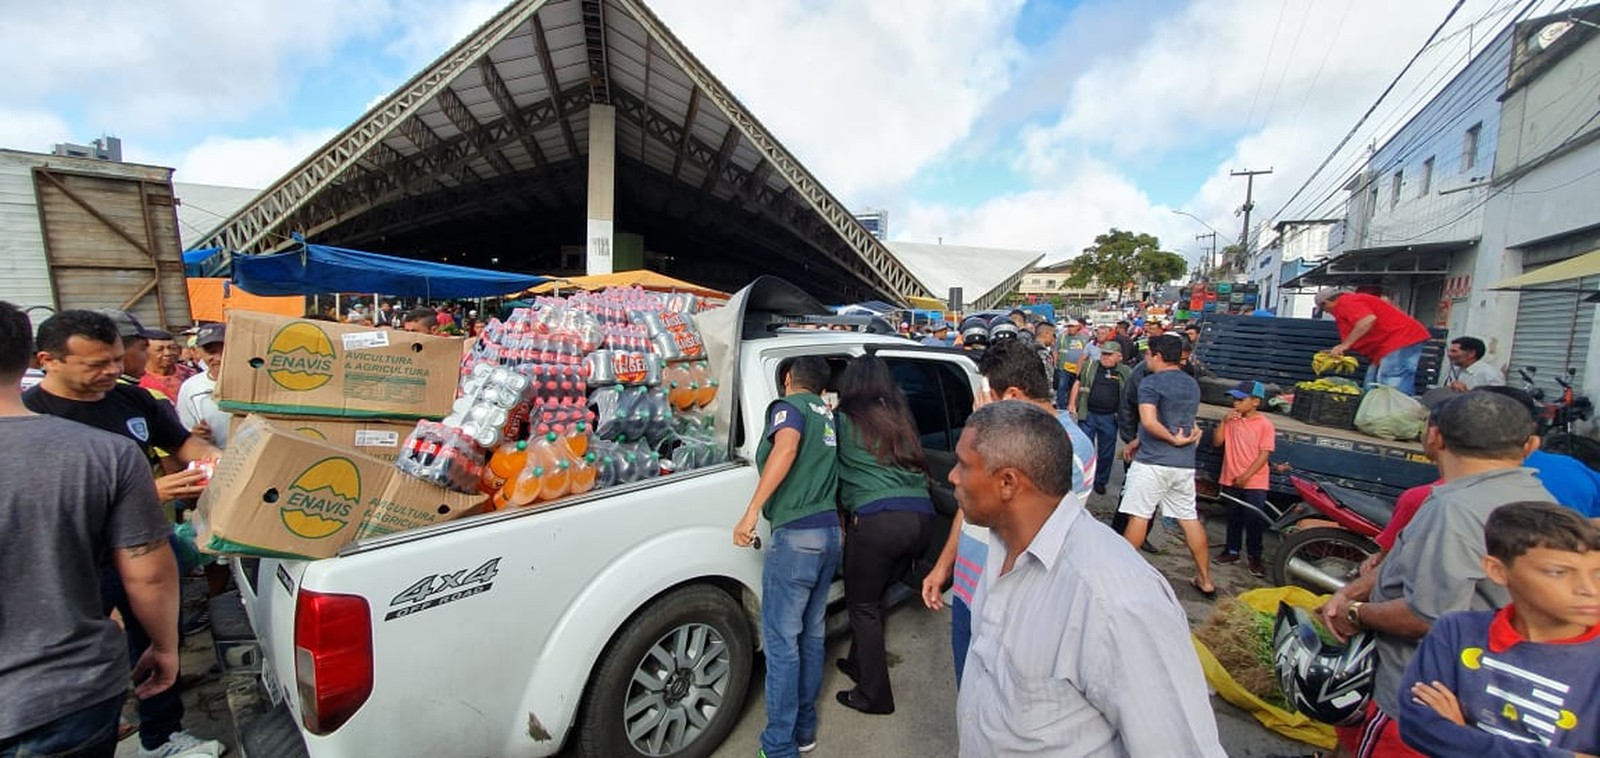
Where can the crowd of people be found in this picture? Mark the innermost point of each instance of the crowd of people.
(1482, 612)
(447, 319)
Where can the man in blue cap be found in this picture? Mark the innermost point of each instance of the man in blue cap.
(940, 336)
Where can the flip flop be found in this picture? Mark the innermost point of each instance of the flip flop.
(125, 730)
(1195, 583)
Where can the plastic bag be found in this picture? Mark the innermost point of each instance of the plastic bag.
(1391, 414)
(1287, 723)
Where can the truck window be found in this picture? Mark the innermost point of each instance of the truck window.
(940, 399)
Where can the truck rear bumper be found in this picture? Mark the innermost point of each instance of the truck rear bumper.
(264, 730)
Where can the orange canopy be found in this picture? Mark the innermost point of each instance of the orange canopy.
(211, 299)
(649, 280)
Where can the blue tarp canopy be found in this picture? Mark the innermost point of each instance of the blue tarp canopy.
(315, 269)
(194, 261)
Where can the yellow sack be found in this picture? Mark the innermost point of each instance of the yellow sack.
(1287, 723)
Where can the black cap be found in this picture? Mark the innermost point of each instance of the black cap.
(210, 334)
(127, 324)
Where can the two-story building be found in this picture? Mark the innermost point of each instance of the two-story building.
(1290, 249)
(1048, 283)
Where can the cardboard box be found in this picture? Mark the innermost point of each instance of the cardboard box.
(295, 367)
(378, 438)
(276, 493)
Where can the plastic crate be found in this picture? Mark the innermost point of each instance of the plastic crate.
(1321, 408)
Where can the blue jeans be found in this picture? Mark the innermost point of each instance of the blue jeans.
(795, 576)
(87, 733)
(960, 633)
(1102, 428)
(1397, 369)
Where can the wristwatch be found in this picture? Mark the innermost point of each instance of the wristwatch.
(1352, 613)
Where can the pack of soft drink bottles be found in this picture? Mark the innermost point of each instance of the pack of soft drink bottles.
(493, 405)
(442, 454)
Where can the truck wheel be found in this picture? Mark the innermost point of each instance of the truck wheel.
(1320, 559)
(673, 682)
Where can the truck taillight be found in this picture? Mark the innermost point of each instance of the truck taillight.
(332, 657)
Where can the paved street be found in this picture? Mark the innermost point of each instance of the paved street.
(919, 652)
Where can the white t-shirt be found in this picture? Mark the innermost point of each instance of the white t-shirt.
(196, 404)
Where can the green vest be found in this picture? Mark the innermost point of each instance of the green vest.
(812, 484)
(863, 480)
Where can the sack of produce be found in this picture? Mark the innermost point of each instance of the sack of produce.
(1391, 414)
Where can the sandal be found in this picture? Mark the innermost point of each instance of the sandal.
(126, 729)
(1209, 594)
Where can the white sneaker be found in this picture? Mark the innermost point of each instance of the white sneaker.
(808, 747)
(186, 745)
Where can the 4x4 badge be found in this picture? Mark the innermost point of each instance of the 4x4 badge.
(435, 590)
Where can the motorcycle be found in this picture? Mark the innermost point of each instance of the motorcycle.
(1324, 558)
(1558, 420)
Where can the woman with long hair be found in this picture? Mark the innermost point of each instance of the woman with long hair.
(883, 481)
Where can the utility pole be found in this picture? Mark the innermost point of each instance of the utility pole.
(1205, 268)
(1249, 204)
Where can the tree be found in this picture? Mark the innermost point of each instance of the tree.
(1122, 260)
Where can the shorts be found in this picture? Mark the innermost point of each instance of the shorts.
(1148, 487)
(1376, 737)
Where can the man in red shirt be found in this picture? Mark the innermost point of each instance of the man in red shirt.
(1390, 340)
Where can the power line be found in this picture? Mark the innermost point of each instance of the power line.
(1266, 65)
(1386, 90)
(1294, 45)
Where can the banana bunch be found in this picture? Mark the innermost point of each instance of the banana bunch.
(1323, 363)
(1336, 385)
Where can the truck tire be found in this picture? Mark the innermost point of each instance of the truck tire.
(673, 681)
(1331, 552)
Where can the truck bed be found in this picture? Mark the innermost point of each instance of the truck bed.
(1348, 458)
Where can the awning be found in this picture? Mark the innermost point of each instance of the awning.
(927, 303)
(194, 261)
(1584, 265)
(650, 280)
(1374, 265)
(315, 269)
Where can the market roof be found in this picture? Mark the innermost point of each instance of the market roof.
(482, 158)
(985, 274)
(203, 207)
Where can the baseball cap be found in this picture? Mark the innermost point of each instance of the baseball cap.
(1111, 347)
(1248, 388)
(1328, 293)
(210, 334)
(127, 324)
(940, 326)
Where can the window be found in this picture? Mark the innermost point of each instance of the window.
(1469, 146)
(1394, 188)
(940, 400)
(1427, 177)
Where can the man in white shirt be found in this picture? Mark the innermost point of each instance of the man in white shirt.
(197, 407)
(1468, 370)
(1079, 647)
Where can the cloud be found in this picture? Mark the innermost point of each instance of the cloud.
(251, 162)
(865, 94)
(31, 130)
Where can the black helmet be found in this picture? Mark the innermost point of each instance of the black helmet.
(1328, 682)
(974, 331)
(1002, 328)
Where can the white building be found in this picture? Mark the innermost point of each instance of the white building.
(1542, 218)
(1291, 248)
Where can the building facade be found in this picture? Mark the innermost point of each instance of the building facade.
(1290, 249)
(1049, 284)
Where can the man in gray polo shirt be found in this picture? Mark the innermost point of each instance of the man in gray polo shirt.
(1436, 565)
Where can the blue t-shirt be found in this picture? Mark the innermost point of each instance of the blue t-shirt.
(1176, 396)
(1575, 485)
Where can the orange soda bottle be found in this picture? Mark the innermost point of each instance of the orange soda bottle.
(705, 386)
(583, 474)
(578, 439)
(504, 465)
(557, 481)
(525, 488)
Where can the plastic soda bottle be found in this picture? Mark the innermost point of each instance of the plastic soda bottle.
(584, 474)
(557, 481)
(504, 465)
(578, 439)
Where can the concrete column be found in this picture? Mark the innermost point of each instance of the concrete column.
(602, 187)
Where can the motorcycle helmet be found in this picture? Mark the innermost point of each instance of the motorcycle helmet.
(1328, 682)
(974, 332)
(1002, 328)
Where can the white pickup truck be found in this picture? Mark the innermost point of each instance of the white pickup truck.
(619, 623)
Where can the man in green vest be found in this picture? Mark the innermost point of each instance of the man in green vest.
(797, 494)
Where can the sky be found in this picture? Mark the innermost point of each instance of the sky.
(1030, 124)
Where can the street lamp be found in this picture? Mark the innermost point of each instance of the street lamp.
(1209, 263)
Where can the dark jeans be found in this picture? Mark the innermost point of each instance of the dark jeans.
(1102, 429)
(1242, 523)
(960, 633)
(87, 733)
(159, 715)
(878, 550)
